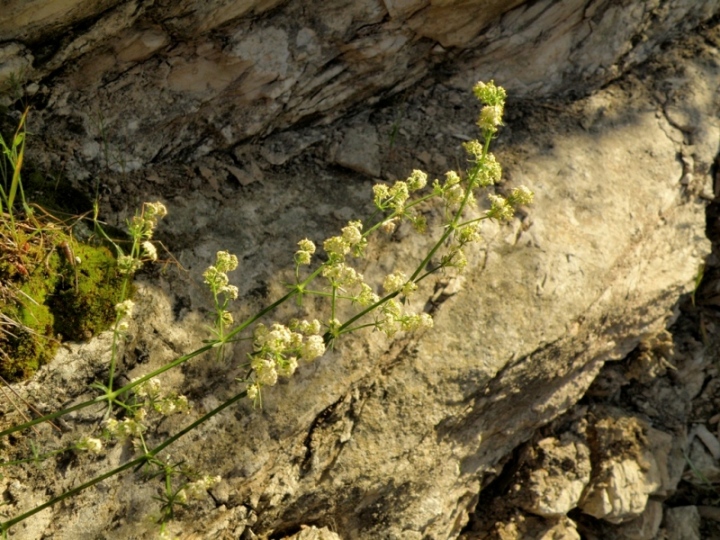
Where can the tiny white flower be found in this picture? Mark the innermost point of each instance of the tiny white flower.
(127, 264)
(490, 117)
(303, 257)
(225, 261)
(288, 367)
(150, 250)
(125, 308)
(336, 246)
(394, 282)
(352, 234)
(231, 291)
(265, 371)
(367, 297)
(314, 347)
(417, 180)
(306, 245)
(380, 194)
(91, 444)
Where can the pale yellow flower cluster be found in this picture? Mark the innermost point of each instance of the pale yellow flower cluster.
(351, 240)
(124, 429)
(164, 403)
(392, 319)
(276, 351)
(491, 114)
(90, 444)
(278, 348)
(128, 265)
(216, 276)
(198, 489)
(124, 311)
(305, 253)
(396, 196)
(141, 228)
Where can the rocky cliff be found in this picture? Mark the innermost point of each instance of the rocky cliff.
(262, 122)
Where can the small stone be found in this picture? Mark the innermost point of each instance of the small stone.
(560, 470)
(359, 151)
(313, 533)
(644, 527)
(623, 481)
(240, 175)
(682, 523)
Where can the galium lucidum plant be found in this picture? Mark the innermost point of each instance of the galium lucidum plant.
(276, 350)
(449, 207)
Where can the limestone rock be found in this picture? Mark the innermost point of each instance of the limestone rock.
(645, 526)
(682, 523)
(313, 533)
(558, 471)
(627, 467)
(705, 468)
(379, 439)
(533, 528)
(359, 151)
(191, 77)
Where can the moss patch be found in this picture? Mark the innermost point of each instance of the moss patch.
(56, 294)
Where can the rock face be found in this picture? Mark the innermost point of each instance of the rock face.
(162, 80)
(184, 101)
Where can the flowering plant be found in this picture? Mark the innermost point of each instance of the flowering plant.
(449, 206)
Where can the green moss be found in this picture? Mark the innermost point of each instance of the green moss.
(88, 309)
(61, 299)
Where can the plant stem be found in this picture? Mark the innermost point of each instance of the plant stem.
(129, 465)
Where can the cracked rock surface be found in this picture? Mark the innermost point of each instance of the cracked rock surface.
(262, 123)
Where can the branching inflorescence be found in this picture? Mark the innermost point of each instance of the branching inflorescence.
(449, 206)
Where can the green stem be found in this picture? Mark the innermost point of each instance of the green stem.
(129, 465)
(367, 310)
(34, 459)
(354, 328)
(110, 395)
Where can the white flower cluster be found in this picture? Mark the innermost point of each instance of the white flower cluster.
(491, 114)
(500, 208)
(149, 250)
(141, 228)
(277, 349)
(124, 312)
(90, 444)
(396, 196)
(126, 428)
(216, 278)
(341, 275)
(351, 240)
(366, 297)
(452, 191)
(198, 489)
(143, 224)
(305, 253)
(166, 404)
(519, 196)
(392, 319)
(125, 308)
(128, 265)
(398, 281)
(172, 404)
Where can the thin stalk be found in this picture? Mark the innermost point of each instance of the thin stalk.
(129, 465)
(112, 395)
